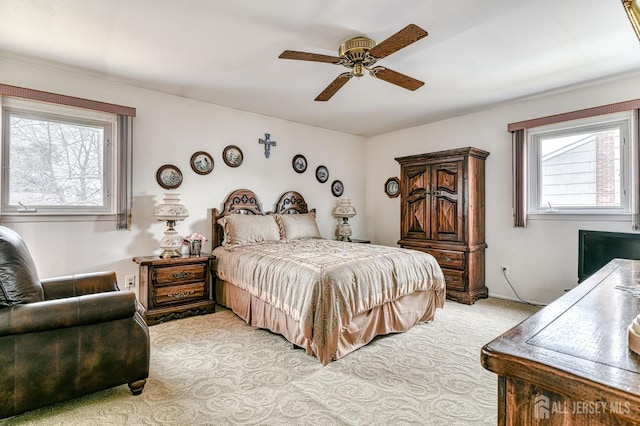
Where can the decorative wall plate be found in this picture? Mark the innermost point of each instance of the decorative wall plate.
(337, 188)
(299, 163)
(169, 176)
(392, 187)
(232, 156)
(202, 163)
(322, 174)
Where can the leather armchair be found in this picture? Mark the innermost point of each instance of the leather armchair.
(64, 337)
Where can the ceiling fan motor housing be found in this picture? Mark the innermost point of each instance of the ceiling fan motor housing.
(355, 49)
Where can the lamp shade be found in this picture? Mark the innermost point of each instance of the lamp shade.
(170, 208)
(344, 208)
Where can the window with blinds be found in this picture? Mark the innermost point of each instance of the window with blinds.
(580, 167)
(64, 158)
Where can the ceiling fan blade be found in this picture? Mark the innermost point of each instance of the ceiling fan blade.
(396, 78)
(409, 34)
(334, 86)
(305, 56)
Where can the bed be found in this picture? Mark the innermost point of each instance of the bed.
(276, 272)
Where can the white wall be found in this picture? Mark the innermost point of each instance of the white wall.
(169, 129)
(543, 257)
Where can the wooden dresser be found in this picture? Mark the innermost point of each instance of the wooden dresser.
(176, 287)
(442, 213)
(569, 364)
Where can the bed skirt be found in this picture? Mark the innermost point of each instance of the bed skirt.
(393, 317)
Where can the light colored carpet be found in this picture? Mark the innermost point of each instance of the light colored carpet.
(216, 370)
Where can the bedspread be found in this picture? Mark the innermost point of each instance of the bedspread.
(324, 283)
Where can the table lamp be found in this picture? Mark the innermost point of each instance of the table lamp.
(345, 210)
(170, 210)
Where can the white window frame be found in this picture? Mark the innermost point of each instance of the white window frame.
(626, 124)
(72, 115)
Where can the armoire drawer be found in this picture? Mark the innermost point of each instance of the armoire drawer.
(448, 258)
(454, 279)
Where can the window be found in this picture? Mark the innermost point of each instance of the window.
(57, 160)
(581, 167)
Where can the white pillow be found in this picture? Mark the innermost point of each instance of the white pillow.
(243, 229)
(297, 226)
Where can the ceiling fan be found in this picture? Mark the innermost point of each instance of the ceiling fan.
(360, 54)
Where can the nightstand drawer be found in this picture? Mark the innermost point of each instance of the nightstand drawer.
(454, 279)
(179, 293)
(184, 273)
(448, 258)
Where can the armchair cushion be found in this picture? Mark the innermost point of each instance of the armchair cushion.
(69, 312)
(19, 283)
(79, 285)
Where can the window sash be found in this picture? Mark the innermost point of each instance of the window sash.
(107, 205)
(535, 205)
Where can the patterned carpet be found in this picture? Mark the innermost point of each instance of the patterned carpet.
(216, 370)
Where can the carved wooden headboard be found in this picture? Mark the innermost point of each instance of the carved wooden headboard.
(240, 201)
(291, 203)
(245, 201)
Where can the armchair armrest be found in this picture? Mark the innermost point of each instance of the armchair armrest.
(79, 285)
(67, 312)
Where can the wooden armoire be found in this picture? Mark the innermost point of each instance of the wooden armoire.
(442, 213)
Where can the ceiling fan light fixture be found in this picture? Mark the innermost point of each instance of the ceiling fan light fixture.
(633, 11)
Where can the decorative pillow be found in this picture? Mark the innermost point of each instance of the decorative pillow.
(243, 229)
(297, 226)
(19, 282)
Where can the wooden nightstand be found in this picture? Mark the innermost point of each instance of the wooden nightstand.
(175, 288)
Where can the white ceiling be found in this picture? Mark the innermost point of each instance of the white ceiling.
(478, 53)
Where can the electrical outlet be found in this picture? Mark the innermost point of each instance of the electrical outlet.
(130, 281)
(504, 269)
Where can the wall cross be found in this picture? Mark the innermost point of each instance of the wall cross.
(267, 144)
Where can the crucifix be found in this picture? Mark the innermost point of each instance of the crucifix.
(267, 144)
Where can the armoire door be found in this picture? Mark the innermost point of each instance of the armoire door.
(447, 201)
(416, 205)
